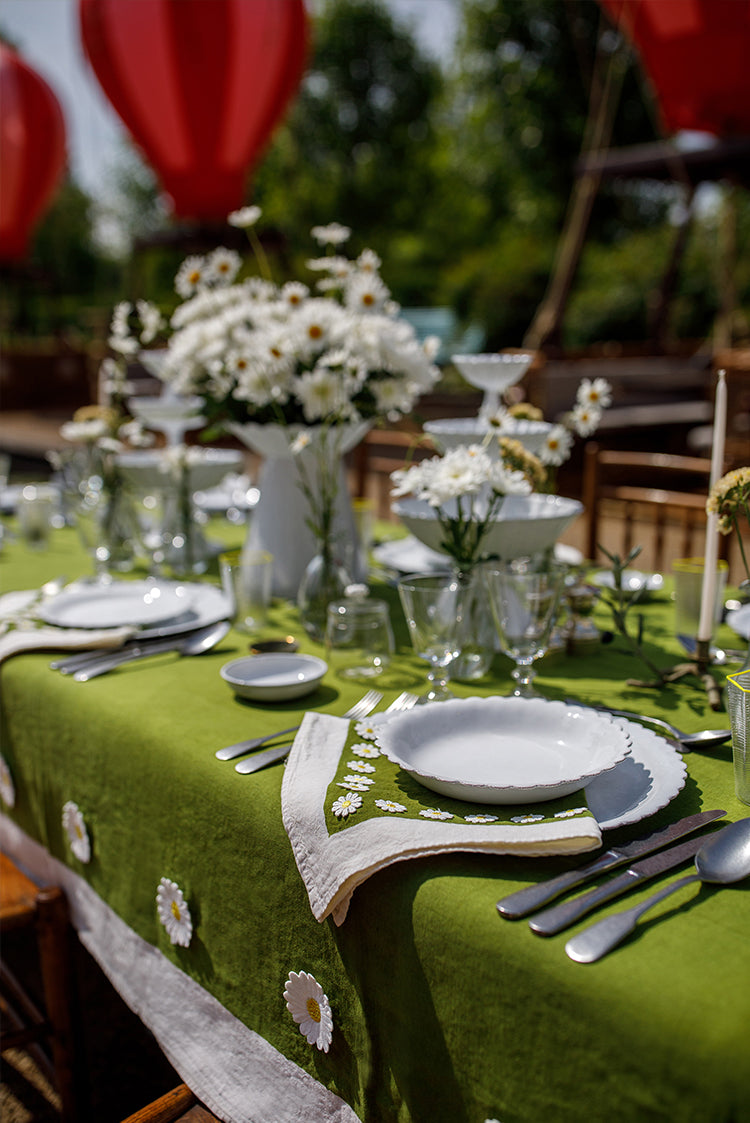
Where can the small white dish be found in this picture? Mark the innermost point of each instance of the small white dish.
(275, 677)
(633, 581)
(503, 750)
(135, 603)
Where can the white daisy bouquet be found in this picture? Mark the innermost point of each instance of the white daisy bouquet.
(335, 350)
(467, 487)
(592, 398)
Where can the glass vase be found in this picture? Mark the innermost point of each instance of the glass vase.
(477, 635)
(107, 525)
(325, 579)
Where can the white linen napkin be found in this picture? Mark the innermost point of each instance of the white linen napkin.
(332, 865)
(16, 609)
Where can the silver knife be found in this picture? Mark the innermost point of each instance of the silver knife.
(561, 916)
(533, 897)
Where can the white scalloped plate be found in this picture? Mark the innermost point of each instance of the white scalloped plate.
(504, 750)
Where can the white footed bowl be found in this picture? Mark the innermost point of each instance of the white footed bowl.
(147, 468)
(452, 432)
(525, 524)
(495, 371)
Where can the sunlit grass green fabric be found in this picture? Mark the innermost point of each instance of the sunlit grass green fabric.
(442, 1010)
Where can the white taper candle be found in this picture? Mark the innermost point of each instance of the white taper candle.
(708, 588)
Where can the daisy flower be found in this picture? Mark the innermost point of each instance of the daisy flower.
(526, 818)
(389, 805)
(585, 419)
(7, 787)
(75, 828)
(174, 912)
(191, 276)
(346, 805)
(435, 813)
(360, 766)
(480, 818)
(334, 234)
(557, 446)
(570, 812)
(352, 785)
(223, 265)
(360, 779)
(596, 394)
(367, 729)
(368, 751)
(244, 217)
(310, 1008)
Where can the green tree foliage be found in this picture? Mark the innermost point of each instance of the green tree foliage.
(359, 145)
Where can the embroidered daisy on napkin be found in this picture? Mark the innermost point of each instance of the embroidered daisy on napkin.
(349, 812)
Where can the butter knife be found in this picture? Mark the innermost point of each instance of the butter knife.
(533, 897)
(553, 920)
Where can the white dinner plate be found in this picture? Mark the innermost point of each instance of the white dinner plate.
(739, 620)
(633, 581)
(503, 750)
(208, 604)
(119, 603)
(409, 555)
(274, 678)
(646, 781)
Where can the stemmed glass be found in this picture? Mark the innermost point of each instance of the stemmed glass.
(432, 605)
(524, 595)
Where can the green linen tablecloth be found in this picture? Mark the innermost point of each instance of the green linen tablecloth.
(441, 1009)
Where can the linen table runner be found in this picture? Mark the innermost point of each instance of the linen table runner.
(349, 812)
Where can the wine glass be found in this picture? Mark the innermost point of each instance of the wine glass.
(524, 595)
(432, 605)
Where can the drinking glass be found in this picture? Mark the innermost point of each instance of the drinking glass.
(246, 580)
(433, 607)
(359, 639)
(524, 595)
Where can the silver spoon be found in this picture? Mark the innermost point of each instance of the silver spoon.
(193, 644)
(723, 859)
(704, 739)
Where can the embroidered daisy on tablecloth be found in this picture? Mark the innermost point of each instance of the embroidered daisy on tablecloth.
(366, 729)
(360, 766)
(571, 811)
(480, 818)
(174, 912)
(390, 806)
(346, 805)
(75, 828)
(435, 813)
(353, 785)
(367, 751)
(358, 778)
(526, 818)
(7, 787)
(310, 1008)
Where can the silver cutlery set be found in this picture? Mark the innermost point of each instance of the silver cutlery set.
(721, 858)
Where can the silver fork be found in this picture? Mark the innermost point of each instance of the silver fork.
(360, 709)
(404, 701)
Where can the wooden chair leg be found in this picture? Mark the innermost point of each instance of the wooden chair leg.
(55, 958)
(167, 1109)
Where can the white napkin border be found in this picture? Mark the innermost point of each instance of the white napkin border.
(332, 866)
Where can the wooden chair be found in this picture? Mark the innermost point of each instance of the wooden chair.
(379, 453)
(44, 913)
(653, 499)
(177, 1106)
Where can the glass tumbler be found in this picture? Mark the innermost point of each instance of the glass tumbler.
(738, 706)
(359, 638)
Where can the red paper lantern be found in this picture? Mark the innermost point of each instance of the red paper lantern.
(200, 85)
(32, 152)
(697, 56)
